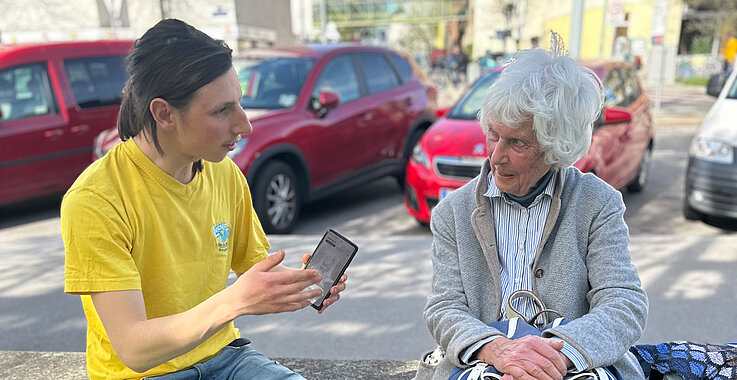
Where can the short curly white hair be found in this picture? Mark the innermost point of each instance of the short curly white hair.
(559, 96)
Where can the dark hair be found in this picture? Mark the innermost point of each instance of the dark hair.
(172, 60)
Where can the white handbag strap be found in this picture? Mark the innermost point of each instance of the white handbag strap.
(584, 376)
(603, 375)
(539, 308)
(597, 373)
(477, 373)
(512, 327)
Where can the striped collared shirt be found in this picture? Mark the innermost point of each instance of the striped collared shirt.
(518, 234)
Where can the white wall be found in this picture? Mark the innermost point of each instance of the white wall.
(49, 20)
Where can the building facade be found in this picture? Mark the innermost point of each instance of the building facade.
(646, 31)
(241, 23)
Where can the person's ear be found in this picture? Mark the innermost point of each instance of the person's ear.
(163, 113)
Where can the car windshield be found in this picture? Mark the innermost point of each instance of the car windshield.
(470, 104)
(271, 83)
(732, 94)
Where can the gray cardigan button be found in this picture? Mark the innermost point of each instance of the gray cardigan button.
(539, 273)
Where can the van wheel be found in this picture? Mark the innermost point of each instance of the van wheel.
(643, 173)
(276, 198)
(689, 213)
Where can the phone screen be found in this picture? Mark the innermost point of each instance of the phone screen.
(330, 259)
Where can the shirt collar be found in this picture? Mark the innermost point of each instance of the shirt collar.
(493, 192)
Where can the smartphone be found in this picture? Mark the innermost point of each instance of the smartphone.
(330, 258)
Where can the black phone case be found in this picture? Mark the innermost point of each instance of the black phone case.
(342, 271)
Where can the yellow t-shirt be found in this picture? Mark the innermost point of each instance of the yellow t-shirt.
(730, 49)
(128, 225)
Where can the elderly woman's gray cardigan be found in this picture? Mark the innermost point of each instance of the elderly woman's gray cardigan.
(582, 270)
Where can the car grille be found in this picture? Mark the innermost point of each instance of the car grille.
(716, 185)
(458, 168)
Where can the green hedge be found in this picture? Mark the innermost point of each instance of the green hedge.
(693, 81)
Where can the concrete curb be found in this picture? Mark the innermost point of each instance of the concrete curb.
(667, 120)
(23, 365)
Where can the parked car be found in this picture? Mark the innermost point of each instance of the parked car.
(452, 150)
(711, 174)
(54, 99)
(325, 118)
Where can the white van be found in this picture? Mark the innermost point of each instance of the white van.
(711, 176)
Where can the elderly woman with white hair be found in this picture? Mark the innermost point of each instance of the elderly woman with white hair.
(532, 222)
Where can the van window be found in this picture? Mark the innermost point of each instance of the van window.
(25, 91)
(338, 76)
(614, 90)
(732, 93)
(404, 68)
(271, 83)
(379, 74)
(98, 81)
(631, 87)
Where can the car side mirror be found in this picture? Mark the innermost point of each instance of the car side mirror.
(615, 115)
(1, 114)
(328, 100)
(715, 84)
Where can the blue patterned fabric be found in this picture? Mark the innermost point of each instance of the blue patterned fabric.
(692, 361)
(515, 328)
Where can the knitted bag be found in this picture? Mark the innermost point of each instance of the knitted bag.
(687, 360)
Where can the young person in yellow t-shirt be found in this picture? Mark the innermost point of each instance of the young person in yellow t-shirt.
(152, 230)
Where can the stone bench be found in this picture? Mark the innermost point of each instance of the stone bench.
(22, 365)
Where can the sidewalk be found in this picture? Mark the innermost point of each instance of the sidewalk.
(680, 105)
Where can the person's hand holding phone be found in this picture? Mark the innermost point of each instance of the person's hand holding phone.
(272, 288)
(334, 291)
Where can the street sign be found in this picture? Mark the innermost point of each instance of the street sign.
(615, 14)
(660, 21)
(219, 11)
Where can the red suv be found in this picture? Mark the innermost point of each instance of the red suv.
(325, 118)
(453, 149)
(54, 98)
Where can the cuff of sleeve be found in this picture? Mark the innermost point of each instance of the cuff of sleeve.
(571, 353)
(468, 353)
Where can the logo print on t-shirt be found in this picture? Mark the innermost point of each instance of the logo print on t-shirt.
(222, 232)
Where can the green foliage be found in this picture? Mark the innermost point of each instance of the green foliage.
(694, 81)
(701, 45)
(726, 13)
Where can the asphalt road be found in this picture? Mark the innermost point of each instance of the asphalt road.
(377, 209)
(687, 269)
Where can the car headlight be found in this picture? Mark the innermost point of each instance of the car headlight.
(238, 147)
(419, 156)
(712, 150)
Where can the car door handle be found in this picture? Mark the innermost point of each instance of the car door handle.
(364, 119)
(53, 134)
(79, 129)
